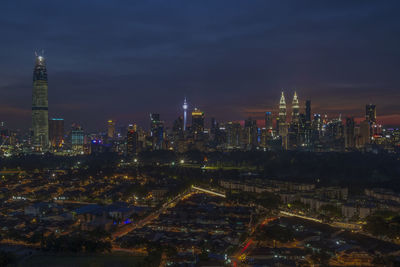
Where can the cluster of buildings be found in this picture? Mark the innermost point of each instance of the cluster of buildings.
(62, 201)
(199, 224)
(314, 244)
(313, 198)
(285, 130)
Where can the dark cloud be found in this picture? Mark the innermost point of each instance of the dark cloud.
(125, 59)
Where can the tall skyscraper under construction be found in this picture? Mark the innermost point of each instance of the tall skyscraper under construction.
(40, 108)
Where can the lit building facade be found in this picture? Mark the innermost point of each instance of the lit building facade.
(282, 109)
(295, 109)
(281, 120)
(132, 140)
(156, 131)
(197, 121)
(40, 107)
(77, 139)
(110, 129)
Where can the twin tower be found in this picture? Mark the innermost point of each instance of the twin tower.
(295, 109)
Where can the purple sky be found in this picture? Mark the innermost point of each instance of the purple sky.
(125, 59)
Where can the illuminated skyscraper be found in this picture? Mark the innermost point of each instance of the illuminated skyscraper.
(77, 138)
(131, 140)
(40, 108)
(197, 121)
(295, 129)
(110, 129)
(295, 109)
(282, 114)
(268, 121)
(185, 107)
(282, 109)
(156, 131)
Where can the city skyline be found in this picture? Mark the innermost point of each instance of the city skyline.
(297, 107)
(200, 133)
(141, 64)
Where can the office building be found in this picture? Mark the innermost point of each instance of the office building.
(132, 140)
(197, 122)
(268, 121)
(156, 131)
(77, 138)
(110, 129)
(250, 133)
(349, 133)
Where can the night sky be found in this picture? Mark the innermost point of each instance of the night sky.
(124, 59)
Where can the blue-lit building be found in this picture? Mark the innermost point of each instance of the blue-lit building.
(156, 131)
(77, 139)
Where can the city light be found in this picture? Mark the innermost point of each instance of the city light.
(216, 133)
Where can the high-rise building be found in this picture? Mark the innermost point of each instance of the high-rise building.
(40, 107)
(349, 136)
(77, 138)
(308, 110)
(316, 128)
(197, 121)
(284, 133)
(307, 124)
(177, 137)
(185, 107)
(56, 132)
(282, 109)
(294, 134)
(250, 133)
(370, 113)
(282, 113)
(363, 137)
(268, 121)
(132, 140)
(233, 135)
(214, 124)
(156, 131)
(295, 109)
(178, 126)
(110, 129)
